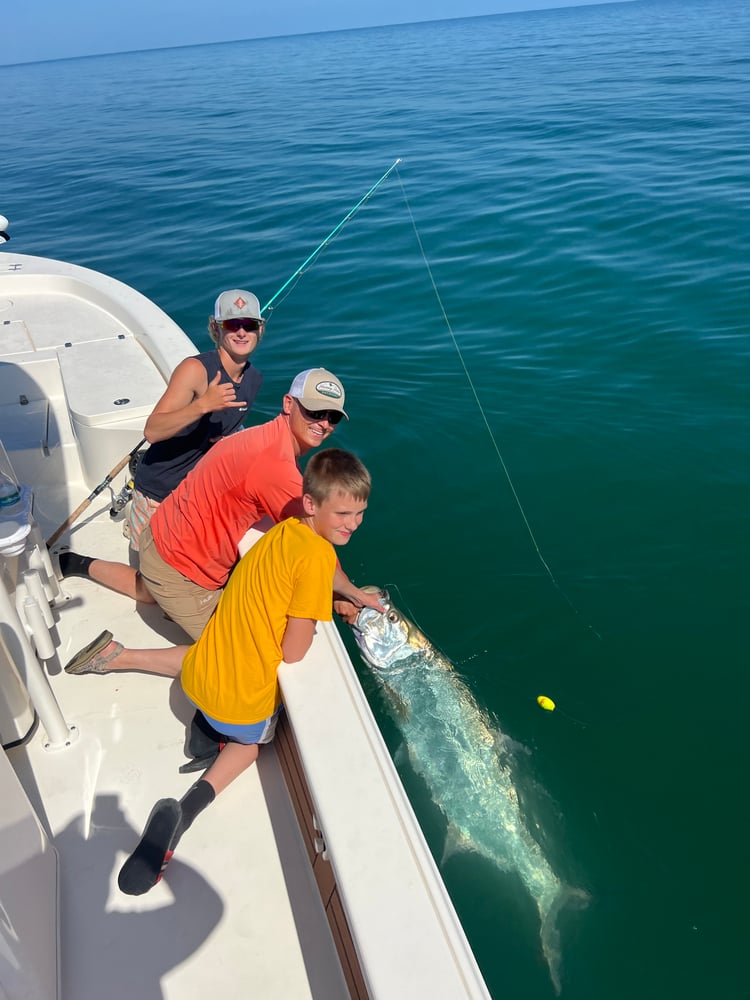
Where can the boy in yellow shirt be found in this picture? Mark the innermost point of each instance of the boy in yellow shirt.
(277, 593)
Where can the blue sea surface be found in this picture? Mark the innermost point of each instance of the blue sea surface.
(541, 320)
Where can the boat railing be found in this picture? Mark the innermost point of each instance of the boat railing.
(404, 928)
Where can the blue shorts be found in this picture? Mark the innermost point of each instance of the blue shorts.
(256, 732)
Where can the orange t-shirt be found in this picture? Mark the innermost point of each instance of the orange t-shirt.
(242, 479)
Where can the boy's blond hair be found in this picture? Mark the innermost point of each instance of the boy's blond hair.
(335, 470)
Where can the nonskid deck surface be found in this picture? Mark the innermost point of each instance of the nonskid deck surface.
(238, 908)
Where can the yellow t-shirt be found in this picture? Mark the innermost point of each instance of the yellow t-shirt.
(230, 672)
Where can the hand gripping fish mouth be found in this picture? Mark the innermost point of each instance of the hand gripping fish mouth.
(385, 639)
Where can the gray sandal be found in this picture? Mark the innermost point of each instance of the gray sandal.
(91, 659)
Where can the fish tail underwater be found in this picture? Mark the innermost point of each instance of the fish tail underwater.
(566, 897)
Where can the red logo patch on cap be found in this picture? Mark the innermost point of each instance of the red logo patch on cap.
(240, 302)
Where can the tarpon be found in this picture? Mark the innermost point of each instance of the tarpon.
(464, 759)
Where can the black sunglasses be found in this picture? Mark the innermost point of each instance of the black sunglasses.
(234, 325)
(332, 416)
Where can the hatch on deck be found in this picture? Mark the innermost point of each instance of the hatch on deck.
(111, 387)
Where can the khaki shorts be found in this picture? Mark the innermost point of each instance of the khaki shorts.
(187, 604)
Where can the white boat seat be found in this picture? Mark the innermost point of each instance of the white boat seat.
(110, 386)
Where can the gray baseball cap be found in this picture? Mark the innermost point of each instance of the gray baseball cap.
(236, 303)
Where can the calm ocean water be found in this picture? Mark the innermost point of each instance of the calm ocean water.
(580, 182)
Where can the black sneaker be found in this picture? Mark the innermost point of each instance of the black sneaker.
(146, 865)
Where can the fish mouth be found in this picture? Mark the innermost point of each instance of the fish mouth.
(362, 624)
(383, 638)
(363, 620)
(385, 597)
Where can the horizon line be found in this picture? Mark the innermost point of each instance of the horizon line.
(305, 34)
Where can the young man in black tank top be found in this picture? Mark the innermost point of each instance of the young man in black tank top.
(207, 398)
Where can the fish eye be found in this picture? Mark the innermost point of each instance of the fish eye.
(392, 616)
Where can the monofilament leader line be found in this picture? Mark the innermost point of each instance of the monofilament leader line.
(477, 400)
(290, 282)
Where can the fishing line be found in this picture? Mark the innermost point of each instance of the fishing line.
(291, 282)
(545, 703)
(478, 402)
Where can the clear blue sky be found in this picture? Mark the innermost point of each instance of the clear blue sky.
(35, 30)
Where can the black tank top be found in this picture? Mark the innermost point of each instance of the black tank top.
(166, 463)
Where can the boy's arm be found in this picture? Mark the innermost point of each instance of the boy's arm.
(344, 587)
(346, 610)
(298, 638)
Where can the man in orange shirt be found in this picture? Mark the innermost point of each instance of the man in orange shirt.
(189, 548)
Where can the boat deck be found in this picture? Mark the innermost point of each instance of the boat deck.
(238, 903)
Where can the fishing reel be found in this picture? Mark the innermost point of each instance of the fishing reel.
(120, 501)
(125, 495)
(135, 461)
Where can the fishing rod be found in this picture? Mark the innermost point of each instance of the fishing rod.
(94, 493)
(321, 246)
